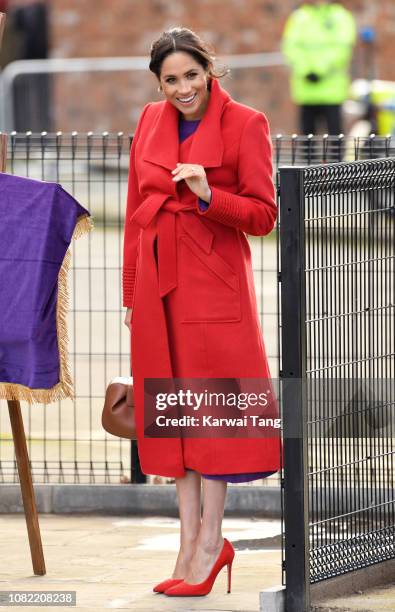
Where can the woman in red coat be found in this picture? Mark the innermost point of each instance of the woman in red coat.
(200, 179)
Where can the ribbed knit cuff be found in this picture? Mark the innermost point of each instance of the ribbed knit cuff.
(128, 280)
(223, 208)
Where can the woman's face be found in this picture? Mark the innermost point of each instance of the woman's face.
(184, 83)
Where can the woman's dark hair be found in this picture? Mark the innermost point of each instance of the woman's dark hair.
(183, 39)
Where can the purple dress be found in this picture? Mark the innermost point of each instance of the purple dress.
(186, 129)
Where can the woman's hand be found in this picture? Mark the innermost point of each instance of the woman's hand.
(128, 318)
(195, 178)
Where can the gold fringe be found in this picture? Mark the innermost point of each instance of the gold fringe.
(64, 388)
(83, 226)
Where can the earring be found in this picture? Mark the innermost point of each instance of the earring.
(159, 88)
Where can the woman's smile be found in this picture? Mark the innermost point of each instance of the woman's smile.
(188, 100)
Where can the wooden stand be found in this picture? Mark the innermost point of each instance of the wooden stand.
(18, 434)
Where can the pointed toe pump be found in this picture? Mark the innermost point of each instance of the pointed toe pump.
(166, 584)
(184, 589)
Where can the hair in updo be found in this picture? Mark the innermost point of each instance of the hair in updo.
(183, 39)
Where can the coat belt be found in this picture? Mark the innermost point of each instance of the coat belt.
(166, 209)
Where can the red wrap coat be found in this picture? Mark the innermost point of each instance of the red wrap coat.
(194, 305)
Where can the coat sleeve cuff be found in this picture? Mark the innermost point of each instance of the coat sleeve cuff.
(128, 281)
(223, 208)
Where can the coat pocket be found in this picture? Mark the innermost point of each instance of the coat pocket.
(209, 287)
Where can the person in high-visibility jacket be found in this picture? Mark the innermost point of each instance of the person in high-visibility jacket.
(318, 41)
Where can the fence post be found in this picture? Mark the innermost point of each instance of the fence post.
(293, 350)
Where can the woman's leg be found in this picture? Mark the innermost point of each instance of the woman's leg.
(189, 503)
(210, 540)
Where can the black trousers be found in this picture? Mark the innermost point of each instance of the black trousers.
(313, 115)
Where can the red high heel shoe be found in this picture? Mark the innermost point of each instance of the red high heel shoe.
(166, 584)
(184, 589)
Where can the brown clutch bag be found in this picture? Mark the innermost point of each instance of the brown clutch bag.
(118, 411)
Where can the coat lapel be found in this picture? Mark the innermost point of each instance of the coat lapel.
(207, 147)
(162, 145)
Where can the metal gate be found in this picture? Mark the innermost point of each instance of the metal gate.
(337, 278)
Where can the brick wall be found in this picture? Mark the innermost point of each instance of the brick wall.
(104, 101)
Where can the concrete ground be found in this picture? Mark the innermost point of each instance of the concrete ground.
(375, 600)
(113, 562)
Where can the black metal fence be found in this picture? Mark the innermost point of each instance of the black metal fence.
(337, 237)
(66, 441)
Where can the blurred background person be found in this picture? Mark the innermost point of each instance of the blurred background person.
(318, 42)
